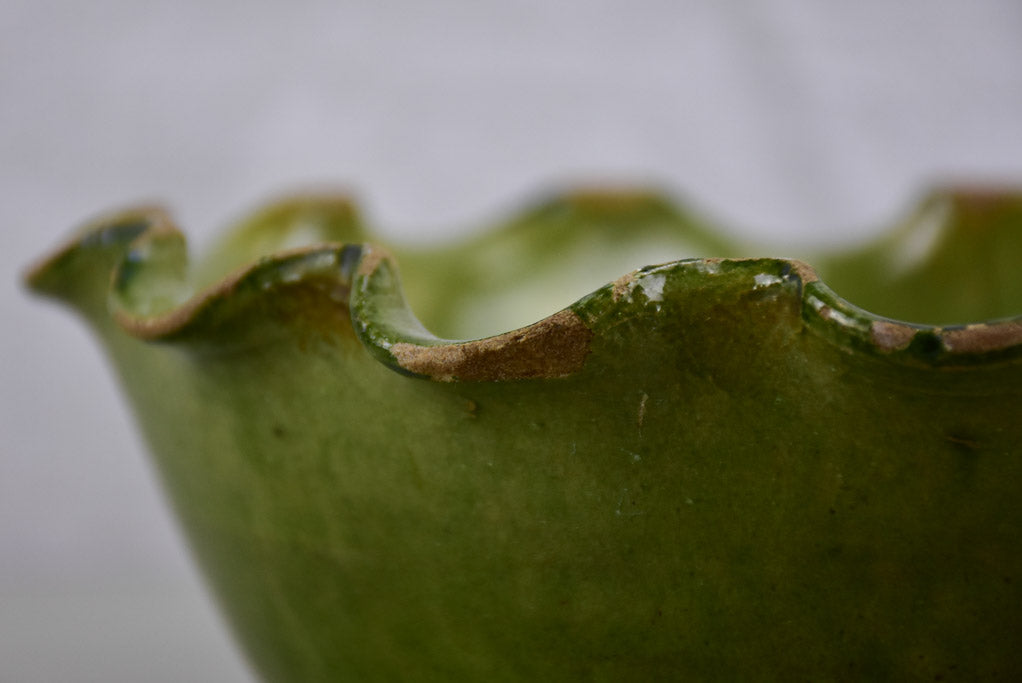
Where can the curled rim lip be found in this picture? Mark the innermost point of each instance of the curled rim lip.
(149, 255)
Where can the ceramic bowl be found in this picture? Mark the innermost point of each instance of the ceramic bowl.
(719, 467)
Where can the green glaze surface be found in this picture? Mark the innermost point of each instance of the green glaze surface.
(707, 469)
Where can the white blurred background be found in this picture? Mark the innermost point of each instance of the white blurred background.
(786, 120)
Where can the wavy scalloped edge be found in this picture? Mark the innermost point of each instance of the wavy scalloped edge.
(146, 251)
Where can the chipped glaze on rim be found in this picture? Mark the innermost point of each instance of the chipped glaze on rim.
(364, 278)
(856, 328)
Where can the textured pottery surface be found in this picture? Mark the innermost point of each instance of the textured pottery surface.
(715, 468)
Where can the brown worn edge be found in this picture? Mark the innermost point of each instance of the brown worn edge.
(889, 336)
(983, 337)
(974, 339)
(556, 346)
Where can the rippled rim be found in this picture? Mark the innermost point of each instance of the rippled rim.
(365, 278)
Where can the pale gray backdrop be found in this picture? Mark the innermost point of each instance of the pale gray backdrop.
(787, 120)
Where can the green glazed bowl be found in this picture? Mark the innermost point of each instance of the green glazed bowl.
(715, 468)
